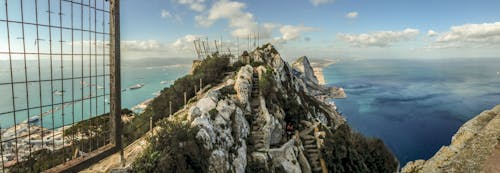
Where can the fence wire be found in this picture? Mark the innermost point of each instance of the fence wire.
(54, 81)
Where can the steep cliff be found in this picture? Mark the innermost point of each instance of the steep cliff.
(239, 125)
(474, 148)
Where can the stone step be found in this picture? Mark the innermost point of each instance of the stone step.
(312, 151)
(315, 163)
(313, 155)
(311, 147)
(317, 169)
(308, 137)
(260, 145)
(307, 142)
(314, 158)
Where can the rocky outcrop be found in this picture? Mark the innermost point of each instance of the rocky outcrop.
(303, 66)
(248, 127)
(243, 85)
(472, 148)
(239, 124)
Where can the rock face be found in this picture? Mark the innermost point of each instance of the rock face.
(303, 66)
(248, 127)
(472, 148)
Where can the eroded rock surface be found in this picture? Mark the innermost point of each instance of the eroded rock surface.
(469, 149)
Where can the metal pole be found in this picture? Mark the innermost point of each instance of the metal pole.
(115, 78)
(216, 47)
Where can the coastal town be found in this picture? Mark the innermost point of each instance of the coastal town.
(19, 141)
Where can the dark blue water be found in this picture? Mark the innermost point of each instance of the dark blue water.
(415, 106)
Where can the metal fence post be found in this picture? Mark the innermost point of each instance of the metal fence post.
(115, 78)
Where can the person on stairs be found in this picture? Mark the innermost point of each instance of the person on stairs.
(289, 130)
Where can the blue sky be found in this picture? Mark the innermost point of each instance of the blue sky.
(315, 28)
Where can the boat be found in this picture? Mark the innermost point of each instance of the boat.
(57, 92)
(100, 87)
(33, 119)
(136, 86)
(164, 82)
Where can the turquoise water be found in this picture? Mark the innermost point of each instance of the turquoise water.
(415, 106)
(148, 71)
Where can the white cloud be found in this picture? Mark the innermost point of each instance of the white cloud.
(352, 15)
(319, 2)
(165, 14)
(432, 33)
(195, 5)
(185, 43)
(290, 32)
(141, 45)
(241, 22)
(470, 35)
(378, 39)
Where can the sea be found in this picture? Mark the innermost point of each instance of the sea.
(415, 106)
(154, 73)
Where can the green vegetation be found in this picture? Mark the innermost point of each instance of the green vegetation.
(267, 82)
(348, 151)
(173, 149)
(211, 72)
(257, 63)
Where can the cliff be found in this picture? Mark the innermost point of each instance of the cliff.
(239, 124)
(474, 148)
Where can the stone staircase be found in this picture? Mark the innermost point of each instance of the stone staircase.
(312, 150)
(256, 135)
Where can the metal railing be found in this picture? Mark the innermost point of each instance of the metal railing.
(59, 83)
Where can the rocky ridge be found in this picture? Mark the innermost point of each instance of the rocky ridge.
(240, 123)
(474, 148)
(252, 125)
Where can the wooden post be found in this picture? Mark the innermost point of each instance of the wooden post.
(115, 78)
(170, 108)
(151, 123)
(201, 84)
(185, 100)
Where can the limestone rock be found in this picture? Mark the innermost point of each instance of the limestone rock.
(303, 66)
(285, 158)
(243, 85)
(470, 147)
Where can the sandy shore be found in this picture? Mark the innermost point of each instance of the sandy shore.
(318, 66)
(143, 105)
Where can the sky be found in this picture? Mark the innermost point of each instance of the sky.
(323, 28)
(314, 28)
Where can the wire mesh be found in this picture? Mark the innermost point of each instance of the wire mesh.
(54, 73)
